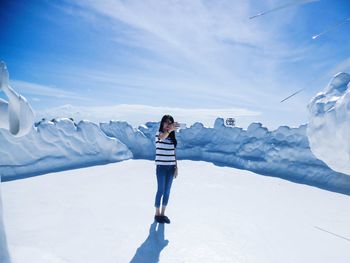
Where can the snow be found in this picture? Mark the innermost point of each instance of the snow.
(17, 118)
(29, 149)
(61, 144)
(4, 255)
(16, 115)
(140, 145)
(218, 214)
(329, 124)
(284, 152)
(58, 145)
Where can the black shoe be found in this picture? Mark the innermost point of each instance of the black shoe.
(166, 219)
(159, 219)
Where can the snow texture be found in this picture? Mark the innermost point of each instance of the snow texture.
(28, 149)
(284, 152)
(56, 145)
(4, 255)
(105, 214)
(16, 115)
(329, 124)
(61, 144)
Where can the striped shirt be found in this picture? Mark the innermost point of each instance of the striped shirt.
(165, 151)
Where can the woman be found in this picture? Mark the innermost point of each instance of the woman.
(166, 163)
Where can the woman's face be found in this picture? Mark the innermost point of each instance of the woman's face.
(167, 125)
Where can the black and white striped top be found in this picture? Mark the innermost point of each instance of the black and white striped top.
(165, 151)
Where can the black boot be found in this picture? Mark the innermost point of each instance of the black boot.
(159, 218)
(166, 219)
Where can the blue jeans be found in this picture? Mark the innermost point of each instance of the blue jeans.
(165, 176)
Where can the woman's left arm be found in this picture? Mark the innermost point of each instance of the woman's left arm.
(175, 159)
(175, 174)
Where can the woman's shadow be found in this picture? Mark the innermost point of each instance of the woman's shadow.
(150, 249)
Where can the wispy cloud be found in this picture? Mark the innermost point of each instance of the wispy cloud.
(214, 44)
(24, 87)
(283, 6)
(137, 114)
(341, 66)
(201, 53)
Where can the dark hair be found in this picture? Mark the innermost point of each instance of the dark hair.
(172, 133)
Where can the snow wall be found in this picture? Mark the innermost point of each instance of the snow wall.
(55, 146)
(4, 255)
(61, 144)
(283, 153)
(329, 124)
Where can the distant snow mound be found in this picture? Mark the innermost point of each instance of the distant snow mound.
(329, 124)
(56, 145)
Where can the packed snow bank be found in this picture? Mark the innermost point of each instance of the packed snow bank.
(284, 152)
(4, 255)
(58, 145)
(329, 124)
(62, 144)
(105, 214)
(17, 118)
(139, 143)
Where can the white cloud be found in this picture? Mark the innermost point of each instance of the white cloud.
(340, 67)
(214, 41)
(43, 90)
(208, 51)
(139, 114)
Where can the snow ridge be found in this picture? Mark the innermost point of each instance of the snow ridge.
(61, 144)
(284, 152)
(57, 145)
(329, 124)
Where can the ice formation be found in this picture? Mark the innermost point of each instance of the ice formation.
(58, 144)
(284, 152)
(16, 115)
(329, 124)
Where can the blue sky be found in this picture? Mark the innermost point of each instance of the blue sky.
(183, 54)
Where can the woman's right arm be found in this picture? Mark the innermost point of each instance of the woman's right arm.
(163, 135)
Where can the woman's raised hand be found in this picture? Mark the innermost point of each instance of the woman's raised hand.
(174, 126)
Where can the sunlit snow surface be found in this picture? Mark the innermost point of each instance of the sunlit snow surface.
(62, 144)
(58, 145)
(4, 255)
(16, 120)
(329, 124)
(218, 215)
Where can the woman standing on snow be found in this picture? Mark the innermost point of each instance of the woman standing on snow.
(166, 163)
